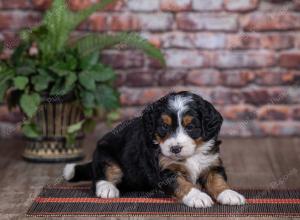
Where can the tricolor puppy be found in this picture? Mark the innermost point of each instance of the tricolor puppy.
(172, 147)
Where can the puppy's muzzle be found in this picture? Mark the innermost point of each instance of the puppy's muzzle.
(175, 149)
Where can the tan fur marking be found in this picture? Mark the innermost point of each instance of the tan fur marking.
(160, 139)
(184, 185)
(198, 141)
(113, 173)
(183, 188)
(166, 119)
(215, 184)
(187, 120)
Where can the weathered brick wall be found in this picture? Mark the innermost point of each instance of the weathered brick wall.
(243, 55)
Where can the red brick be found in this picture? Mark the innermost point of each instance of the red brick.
(237, 78)
(241, 5)
(96, 22)
(138, 5)
(172, 78)
(155, 22)
(207, 5)
(273, 112)
(256, 41)
(271, 21)
(124, 59)
(124, 23)
(224, 96)
(196, 21)
(259, 96)
(297, 4)
(42, 4)
(135, 97)
(77, 5)
(239, 112)
(290, 59)
(296, 112)
(203, 77)
(5, 20)
(140, 78)
(15, 4)
(175, 5)
(186, 59)
(236, 59)
(280, 128)
(193, 40)
(130, 112)
(18, 20)
(275, 77)
(245, 128)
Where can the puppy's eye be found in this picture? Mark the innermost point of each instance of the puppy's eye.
(165, 127)
(190, 127)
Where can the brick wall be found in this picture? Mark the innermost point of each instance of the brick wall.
(243, 55)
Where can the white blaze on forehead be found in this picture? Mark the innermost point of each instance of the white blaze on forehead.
(179, 103)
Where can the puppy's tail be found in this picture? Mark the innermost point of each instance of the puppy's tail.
(78, 172)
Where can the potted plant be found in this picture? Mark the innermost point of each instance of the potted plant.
(59, 84)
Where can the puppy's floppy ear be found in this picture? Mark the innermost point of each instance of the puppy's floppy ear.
(150, 116)
(211, 119)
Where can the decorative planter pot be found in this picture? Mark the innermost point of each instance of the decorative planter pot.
(54, 116)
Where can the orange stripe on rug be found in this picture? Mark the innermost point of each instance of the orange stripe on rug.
(151, 200)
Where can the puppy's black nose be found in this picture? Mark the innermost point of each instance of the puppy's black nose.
(175, 149)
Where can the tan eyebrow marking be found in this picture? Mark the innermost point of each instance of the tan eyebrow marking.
(187, 120)
(166, 119)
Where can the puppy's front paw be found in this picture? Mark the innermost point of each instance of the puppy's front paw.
(230, 197)
(105, 189)
(197, 199)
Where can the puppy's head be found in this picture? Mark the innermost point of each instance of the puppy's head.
(181, 123)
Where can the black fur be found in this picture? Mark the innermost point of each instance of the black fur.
(131, 146)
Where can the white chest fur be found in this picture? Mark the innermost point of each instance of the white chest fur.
(198, 163)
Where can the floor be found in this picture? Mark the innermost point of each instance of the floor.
(251, 163)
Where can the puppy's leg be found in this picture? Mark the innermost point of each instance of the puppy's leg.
(106, 187)
(177, 185)
(106, 174)
(217, 187)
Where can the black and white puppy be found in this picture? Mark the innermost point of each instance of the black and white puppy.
(172, 147)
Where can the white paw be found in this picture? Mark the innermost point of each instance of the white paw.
(230, 197)
(69, 171)
(197, 199)
(105, 189)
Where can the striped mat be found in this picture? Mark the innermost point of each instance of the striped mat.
(66, 200)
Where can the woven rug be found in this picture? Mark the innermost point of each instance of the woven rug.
(66, 200)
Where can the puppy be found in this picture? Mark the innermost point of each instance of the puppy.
(172, 147)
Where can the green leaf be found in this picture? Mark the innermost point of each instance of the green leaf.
(30, 103)
(75, 127)
(30, 130)
(93, 42)
(25, 70)
(106, 74)
(87, 81)
(89, 125)
(18, 52)
(61, 69)
(87, 99)
(3, 88)
(107, 97)
(41, 81)
(69, 82)
(20, 82)
(89, 61)
(57, 88)
(88, 112)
